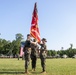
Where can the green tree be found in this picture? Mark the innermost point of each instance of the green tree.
(49, 53)
(53, 52)
(16, 44)
(19, 36)
(4, 46)
(9, 48)
(71, 46)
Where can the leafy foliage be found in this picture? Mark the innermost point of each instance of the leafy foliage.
(11, 48)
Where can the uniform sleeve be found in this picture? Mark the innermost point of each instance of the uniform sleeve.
(46, 47)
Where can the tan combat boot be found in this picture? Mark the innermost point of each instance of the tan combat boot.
(44, 72)
(34, 69)
(26, 71)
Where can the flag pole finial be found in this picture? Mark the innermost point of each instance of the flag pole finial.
(35, 4)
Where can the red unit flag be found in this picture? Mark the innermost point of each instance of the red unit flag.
(34, 24)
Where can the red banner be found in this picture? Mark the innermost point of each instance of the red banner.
(34, 24)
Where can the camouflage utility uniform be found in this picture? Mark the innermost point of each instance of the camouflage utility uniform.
(43, 55)
(34, 53)
(27, 52)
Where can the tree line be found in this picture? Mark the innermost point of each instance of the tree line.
(9, 48)
(70, 52)
(12, 48)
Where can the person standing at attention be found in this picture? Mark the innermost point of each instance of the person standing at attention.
(27, 51)
(43, 54)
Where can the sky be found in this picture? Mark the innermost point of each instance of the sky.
(57, 20)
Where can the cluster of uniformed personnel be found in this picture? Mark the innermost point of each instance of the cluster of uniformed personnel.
(31, 50)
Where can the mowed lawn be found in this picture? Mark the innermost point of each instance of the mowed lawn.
(53, 67)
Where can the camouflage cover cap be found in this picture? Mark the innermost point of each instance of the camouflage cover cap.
(44, 39)
(28, 35)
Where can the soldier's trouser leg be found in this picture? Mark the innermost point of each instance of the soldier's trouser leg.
(43, 63)
(26, 64)
(33, 62)
(27, 61)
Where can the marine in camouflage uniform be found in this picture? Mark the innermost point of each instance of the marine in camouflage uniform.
(27, 52)
(34, 53)
(43, 54)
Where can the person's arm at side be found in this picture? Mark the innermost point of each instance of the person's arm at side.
(46, 50)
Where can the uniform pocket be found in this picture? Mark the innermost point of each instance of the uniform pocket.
(44, 54)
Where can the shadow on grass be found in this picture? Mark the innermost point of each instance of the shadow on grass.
(16, 72)
(35, 73)
(11, 72)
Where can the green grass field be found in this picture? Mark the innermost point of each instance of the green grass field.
(53, 67)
